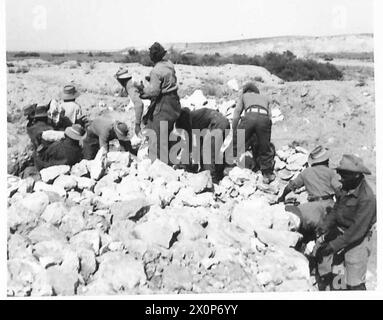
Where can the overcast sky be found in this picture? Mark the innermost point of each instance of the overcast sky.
(115, 24)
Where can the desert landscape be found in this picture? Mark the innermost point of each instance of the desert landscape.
(77, 232)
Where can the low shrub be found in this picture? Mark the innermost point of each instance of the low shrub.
(24, 54)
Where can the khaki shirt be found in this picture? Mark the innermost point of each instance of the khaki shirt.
(354, 213)
(319, 181)
(162, 80)
(72, 110)
(102, 127)
(248, 99)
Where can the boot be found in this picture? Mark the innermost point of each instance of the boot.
(325, 282)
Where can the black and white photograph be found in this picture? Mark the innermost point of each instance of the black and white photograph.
(168, 148)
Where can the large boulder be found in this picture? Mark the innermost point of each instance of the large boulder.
(120, 271)
(88, 263)
(73, 222)
(160, 169)
(175, 278)
(21, 276)
(298, 159)
(54, 213)
(122, 231)
(65, 182)
(252, 214)
(48, 175)
(278, 238)
(85, 183)
(64, 283)
(88, 239)
(161, 231)
(48, 188)
(50, 252)
(122, 158)
(80, 169)
(133, 209)
(27, 211)
(240, 175)
(46, 232)
(200, 182)
(18, 247)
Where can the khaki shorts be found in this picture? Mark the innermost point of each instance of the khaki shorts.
(355, 261)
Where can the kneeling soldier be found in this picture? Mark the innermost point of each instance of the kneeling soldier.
(348, 227)
(62, 152)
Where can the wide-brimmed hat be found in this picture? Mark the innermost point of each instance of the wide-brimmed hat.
(352, 163)
(121, 130)
(123, 74)
(75, 132)
(41, 112)
(318, 155)
(69, 92)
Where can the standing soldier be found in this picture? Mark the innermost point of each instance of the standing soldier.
(348, 227)
(133, 90)
(100, 132)
(165, 107)
(256, 122)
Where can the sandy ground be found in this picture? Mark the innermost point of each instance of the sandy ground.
(337, 114)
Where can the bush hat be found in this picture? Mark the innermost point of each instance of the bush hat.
(352, 163)
(75, 132)
(318, 155)
(69, 92)
(121, 130)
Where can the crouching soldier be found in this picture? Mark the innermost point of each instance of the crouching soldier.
(256, 122)
(212, 125)
(322, 184)
(347, 229)
(100, 132)
(62, 152)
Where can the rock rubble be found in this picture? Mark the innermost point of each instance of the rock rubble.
(139, 227)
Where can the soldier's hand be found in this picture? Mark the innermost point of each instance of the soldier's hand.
(323, 251)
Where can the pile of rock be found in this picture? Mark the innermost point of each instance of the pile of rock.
(129, 227)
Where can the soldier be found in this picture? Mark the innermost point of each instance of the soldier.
(62, 152)
(100, 132)
(29, 112)
(256, 121)
(348, 227)
(321, 183)
(133, 90)
(71, 109)
(165, 105)
(210, 119)
(38, 126)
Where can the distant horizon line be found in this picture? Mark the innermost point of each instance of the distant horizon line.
(190, 43)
